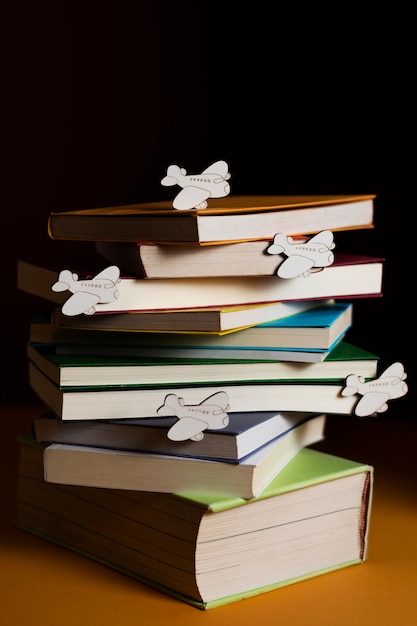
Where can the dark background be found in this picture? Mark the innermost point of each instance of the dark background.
(99, 98)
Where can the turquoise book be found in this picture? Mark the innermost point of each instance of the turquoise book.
(208, 551)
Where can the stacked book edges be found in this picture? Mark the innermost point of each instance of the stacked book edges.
(185, 407)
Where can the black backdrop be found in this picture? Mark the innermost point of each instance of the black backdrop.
(100, 97)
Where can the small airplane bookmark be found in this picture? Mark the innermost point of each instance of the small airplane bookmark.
(303, 256)
(194, 419)
(87, 293)
(197, 188)
(376, 393)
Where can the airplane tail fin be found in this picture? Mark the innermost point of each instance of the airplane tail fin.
(173, 174)
(170, 406)
(352, 385)
(279, 244)
(64, 281)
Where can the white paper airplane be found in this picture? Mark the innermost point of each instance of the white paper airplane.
(197, 188)
(303, 255)
(194, 419)
(376, 393)
(87, 293)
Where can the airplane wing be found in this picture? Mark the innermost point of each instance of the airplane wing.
(220, 399)
(110, 273)
(396, 370)
(190, 197)
(372, 402)
(187, 428)
(325, 238)
(294, 265)
(219, 167)
(79, 302)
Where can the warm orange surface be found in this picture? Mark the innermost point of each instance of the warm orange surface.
(43, 584)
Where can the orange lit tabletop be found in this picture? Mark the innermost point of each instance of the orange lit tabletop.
(46, 585)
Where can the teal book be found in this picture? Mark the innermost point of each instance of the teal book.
(208, 551)
(82, 370)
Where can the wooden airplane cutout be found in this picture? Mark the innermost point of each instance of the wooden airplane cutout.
(194, 419)
(303, 255)
(87, 293)
(376, 393)
(197, 188)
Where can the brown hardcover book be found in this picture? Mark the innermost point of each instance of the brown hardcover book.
(234, 218)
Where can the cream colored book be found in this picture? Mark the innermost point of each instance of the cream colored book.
(350, 276)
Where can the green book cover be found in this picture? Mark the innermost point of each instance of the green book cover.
(94, 371)
(307, 468)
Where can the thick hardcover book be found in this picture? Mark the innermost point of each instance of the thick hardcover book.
(234, 218)
(350, 276)
(121, 402)
(245, 433)
(81, 370)
(209, 551)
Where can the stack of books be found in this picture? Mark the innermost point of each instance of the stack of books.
(185, 385)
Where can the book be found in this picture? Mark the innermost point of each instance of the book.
(207, 551)
(121, 402)
(245, 433)
(216, 319)
(81, 370)
(141, 471)
(318, 328)
(153, 261)
(72, 340)
(234, 218)
(316, 325)
(350, 276)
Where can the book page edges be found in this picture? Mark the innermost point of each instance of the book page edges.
(186, 599)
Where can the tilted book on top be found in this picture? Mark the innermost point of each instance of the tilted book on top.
(230, 219)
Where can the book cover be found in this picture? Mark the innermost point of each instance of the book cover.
(233, 218)
(172, 541)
